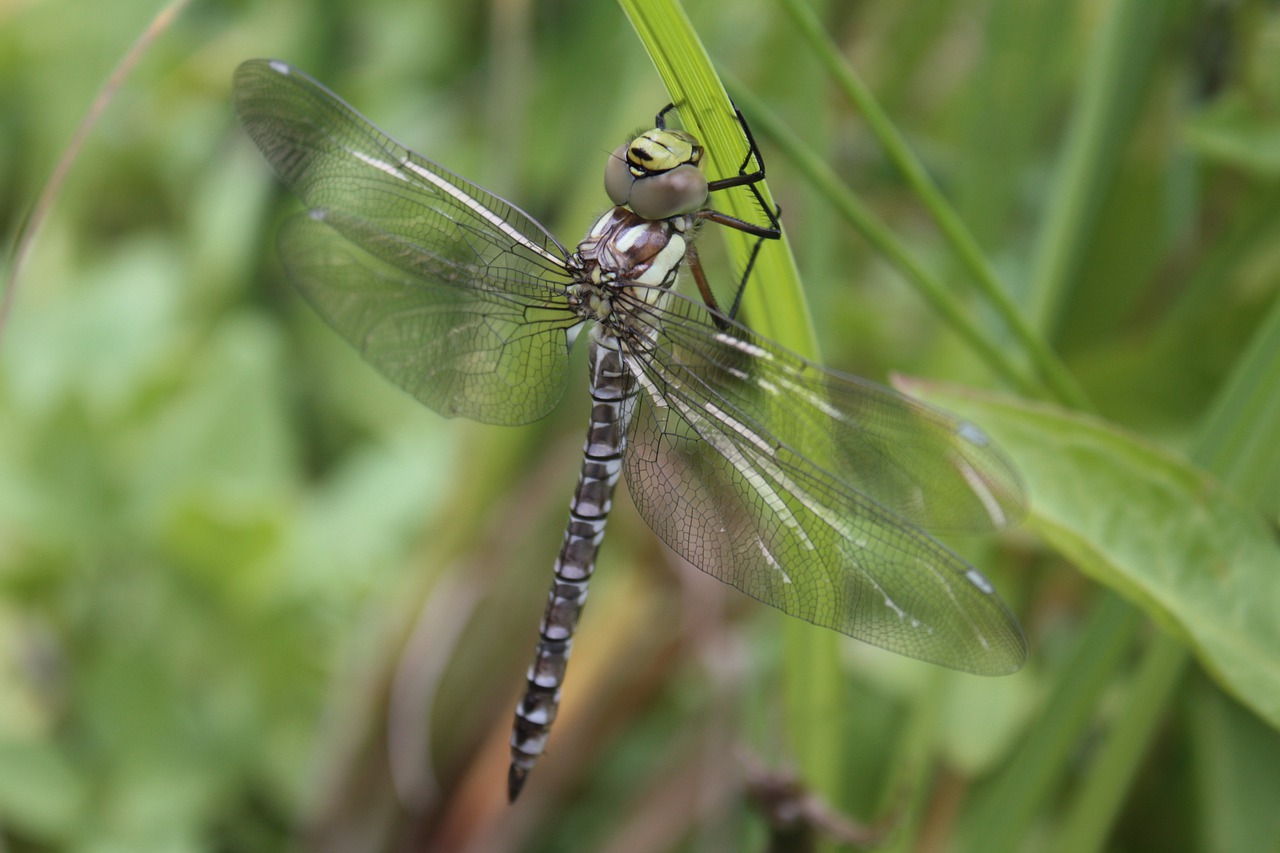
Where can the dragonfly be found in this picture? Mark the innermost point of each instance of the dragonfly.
(814, 491)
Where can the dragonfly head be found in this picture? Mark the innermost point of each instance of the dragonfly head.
(657, 174)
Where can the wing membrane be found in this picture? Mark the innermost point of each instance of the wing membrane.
(468, 352)
(930, 468)
(451, 292)
(809, 502)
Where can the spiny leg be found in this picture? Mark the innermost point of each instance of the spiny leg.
(751, 181)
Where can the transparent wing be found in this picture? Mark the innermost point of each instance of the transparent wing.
(811, 490)
(452, 293)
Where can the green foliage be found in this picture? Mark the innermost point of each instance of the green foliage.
(251, 598)
(1165, 534)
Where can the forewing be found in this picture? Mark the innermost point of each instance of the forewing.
(452, 293)
(747, 460)
(927, 467)
(461, 351)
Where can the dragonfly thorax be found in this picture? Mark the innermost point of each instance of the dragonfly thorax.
(623, 250)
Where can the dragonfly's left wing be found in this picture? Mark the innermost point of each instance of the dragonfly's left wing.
(811, 490)
(454, 294)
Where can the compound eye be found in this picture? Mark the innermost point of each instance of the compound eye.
(662, 196)
(656, 175)
(618, 177)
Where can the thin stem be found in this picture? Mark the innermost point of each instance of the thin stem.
(940, 297)
(1048, 367)
(1115, 72)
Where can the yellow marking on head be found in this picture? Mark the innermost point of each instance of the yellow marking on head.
(660, 150)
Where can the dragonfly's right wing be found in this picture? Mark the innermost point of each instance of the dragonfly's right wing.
(452, 293)
(812, 490)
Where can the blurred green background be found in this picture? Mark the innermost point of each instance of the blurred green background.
(252, 598)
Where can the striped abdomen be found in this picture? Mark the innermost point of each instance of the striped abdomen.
(612, 401)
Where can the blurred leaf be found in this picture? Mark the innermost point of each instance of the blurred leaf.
(1156, 529)
(368, 512)
(1240, 787)
(1123, 49)
(1234, 132)
(100, 337)
(982, 717)
(1242, 127)
(40, 793)
(222, 442)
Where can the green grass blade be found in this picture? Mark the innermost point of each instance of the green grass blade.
(1002, 815)
(1114, 77)
(1164, 533)
(1171, 539)
(1049, 369)
(1237, 442)
(1096, 806)
(774, 302)
(940, 297)
(775, 306)
(1239, 437)
(1235, 756)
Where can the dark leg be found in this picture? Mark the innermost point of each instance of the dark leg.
(749, 180)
